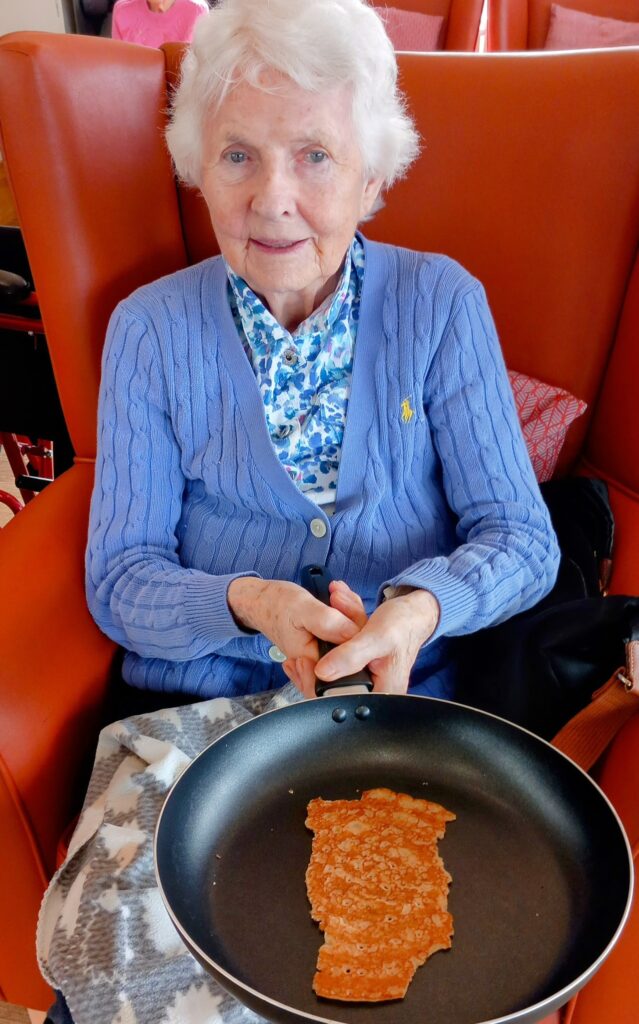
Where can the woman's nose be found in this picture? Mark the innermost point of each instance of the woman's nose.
(274, 194)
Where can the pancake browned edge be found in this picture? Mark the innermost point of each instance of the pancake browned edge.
(378, 890)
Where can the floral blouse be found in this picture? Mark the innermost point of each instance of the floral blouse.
(304, 376)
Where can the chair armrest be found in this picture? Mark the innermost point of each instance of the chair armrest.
(22, 883)
(625, 509)
(625, 555)
(55, 664)
(613, 993)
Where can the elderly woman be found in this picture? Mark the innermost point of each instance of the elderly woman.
(308, 396)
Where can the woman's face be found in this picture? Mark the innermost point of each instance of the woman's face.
(284, 182)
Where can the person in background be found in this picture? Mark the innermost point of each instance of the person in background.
(155, 22)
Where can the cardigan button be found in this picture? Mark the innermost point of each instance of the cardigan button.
(318, 528)
(275, 654)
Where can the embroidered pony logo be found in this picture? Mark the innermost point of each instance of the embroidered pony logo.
(407, 412)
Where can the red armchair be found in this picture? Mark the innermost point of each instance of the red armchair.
(549, 226)
(523, 24)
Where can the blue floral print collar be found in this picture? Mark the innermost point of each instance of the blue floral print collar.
(304, 376)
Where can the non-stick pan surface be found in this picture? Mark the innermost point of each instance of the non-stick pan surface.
(542, 873)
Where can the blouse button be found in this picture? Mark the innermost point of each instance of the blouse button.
(290, 357)
(284, 431)
(275, 654)
(318, 527)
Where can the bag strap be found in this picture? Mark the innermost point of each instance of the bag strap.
(585, 737)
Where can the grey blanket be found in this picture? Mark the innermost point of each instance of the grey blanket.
(104, 937)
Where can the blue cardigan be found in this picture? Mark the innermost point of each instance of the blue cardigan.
(435, 486)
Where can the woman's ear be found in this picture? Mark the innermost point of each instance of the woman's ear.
(372, 188)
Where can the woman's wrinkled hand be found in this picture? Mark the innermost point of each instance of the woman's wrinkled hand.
(292, 619)
(387, 643)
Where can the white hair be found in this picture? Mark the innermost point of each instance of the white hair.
(318, 44)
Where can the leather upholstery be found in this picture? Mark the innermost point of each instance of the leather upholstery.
(131, 229)
(612, 997)
(54, 674)
(542, 235)
(615, 432)
(462, 18)
(529, 175)
(523, 24)
(22, 881)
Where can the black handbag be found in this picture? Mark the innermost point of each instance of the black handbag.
(541, 667)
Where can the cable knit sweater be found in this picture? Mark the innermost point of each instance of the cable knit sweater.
(435, 488)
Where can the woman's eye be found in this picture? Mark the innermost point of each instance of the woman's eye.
(236, 156)
(316, 156)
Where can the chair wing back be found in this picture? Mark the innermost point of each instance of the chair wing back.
(614, 438)
(523, 24)
(199, 239)
(529, 176)
(81, 121)
(462, 27)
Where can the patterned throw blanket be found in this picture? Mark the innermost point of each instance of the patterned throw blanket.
(104, 937)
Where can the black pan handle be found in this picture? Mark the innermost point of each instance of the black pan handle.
(315, 579)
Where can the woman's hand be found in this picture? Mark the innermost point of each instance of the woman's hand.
(387, 643)
(292, 619)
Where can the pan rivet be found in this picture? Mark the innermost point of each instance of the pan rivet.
(339, 715)
(362, 711)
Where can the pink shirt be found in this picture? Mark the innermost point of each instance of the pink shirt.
(135, 23)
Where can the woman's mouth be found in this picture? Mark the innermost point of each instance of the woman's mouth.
(277, 246)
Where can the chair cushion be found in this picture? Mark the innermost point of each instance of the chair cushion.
(575, 30)
(545, 414)
(410, 30)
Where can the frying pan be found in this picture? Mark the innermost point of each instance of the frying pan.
(541, 867)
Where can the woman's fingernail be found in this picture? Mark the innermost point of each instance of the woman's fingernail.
(329, 673)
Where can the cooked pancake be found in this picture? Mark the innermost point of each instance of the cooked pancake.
(378, 890)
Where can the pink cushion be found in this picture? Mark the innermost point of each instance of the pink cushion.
(545, 413)
(574, 30)
(409, 30)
